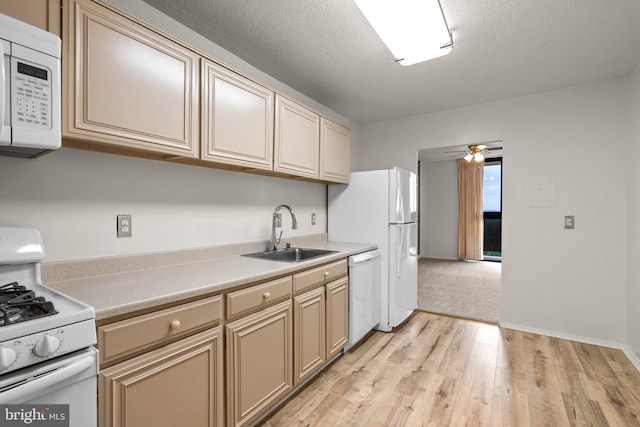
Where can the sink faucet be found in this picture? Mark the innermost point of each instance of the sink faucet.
(277, 222)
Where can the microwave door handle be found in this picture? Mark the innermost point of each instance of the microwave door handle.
(3, 82)
(31, 388)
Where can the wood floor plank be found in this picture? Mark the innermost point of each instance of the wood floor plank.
(442, 371)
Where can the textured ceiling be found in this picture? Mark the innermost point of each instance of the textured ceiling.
(502, 48)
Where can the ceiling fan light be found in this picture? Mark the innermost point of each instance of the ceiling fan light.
(478, 157)
(413, 30)
(468, 157)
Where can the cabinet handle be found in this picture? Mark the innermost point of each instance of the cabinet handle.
(266, 295)
(175, 324)
(326, 274)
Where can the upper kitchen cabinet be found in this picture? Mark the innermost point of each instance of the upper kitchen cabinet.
(297, 139)
(237, 119)
(43, 14)
(125, 87)
(334, 151)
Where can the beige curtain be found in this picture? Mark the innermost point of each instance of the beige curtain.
(470, 210)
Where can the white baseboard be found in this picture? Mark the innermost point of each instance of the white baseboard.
(633, 358)
(437, 257)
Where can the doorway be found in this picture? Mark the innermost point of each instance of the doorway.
(446, 285)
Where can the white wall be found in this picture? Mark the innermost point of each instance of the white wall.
(73, 197)
(439, 210)
(633, 290)
(569, 282)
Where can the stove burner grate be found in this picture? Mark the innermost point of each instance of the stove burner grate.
(18, 304)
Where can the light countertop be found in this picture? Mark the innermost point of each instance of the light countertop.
(126, 292)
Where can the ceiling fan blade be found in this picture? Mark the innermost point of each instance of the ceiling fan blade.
(493, 148)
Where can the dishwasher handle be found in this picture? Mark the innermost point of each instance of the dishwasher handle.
(363, 257)
(32, 387)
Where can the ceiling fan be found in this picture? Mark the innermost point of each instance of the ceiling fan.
(476, 152)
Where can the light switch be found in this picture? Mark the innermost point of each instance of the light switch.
(569, 222)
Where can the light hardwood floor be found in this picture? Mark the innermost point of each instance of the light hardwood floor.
(444, 371)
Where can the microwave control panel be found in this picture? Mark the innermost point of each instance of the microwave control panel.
(31, 90)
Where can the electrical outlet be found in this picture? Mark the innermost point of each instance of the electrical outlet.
(124, 226)
(569, 222)
(313, 218)
(278, 219)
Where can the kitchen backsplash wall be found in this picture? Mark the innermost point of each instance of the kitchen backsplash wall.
(73, 198)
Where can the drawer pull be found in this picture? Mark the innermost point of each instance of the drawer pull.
(175, 324)
(267, 295)
(326, 274)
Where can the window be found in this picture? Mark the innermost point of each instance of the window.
(492, 187)
(492, 207)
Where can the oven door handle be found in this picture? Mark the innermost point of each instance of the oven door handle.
(35, 387)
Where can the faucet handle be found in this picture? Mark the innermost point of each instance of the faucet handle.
(277, 242)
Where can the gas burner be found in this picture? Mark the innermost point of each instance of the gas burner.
(18, 304)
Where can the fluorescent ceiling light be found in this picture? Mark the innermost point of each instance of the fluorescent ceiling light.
(413, 30)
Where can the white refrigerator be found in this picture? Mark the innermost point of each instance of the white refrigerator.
(381, 207)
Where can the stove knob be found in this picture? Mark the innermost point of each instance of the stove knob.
(7, 357)
(46, 346)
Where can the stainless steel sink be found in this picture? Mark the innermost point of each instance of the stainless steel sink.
(291, 254)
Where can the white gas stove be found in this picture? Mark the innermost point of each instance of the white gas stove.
(36, 323)
(47, 364)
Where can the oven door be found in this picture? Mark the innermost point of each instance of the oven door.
(66, 380)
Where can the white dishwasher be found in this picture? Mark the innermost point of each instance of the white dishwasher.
(364, 295)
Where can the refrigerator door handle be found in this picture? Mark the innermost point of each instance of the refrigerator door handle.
(399, 249)
(400, 209)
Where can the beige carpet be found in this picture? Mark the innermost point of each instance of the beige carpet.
(467, 289)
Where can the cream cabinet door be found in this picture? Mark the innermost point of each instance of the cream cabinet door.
(309, 333)
(180, 384)
(125, 86)
(259, 368)
(334, 151)
(297, 139)
(43, 14)
(237, 119)
(337, 316)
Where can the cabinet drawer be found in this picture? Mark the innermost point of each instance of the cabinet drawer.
(317, 276)
(247, 300)
(130, 336)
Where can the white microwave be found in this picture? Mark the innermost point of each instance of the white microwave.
(30, 116)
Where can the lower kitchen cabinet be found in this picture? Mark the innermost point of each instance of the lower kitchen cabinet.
(259, 362)
(226, 359)
(180, 384)
(309, 333)
(337, 316)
